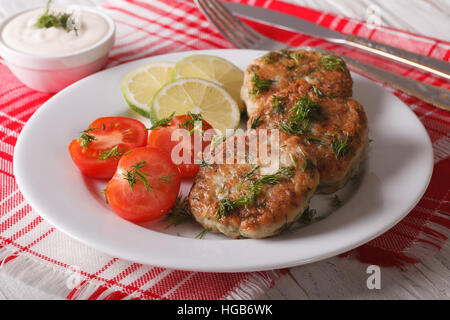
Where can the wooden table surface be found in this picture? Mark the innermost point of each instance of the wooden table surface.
(334, 278)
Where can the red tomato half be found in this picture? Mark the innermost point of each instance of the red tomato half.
(145, 185)
(161, 138)
(110, 138)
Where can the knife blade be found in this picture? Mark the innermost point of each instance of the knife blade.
(288, 22)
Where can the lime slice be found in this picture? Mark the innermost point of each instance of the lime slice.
(140, 85)
(215, 104)
(215, 69)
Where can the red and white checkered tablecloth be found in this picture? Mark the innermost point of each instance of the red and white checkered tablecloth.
(35, 252)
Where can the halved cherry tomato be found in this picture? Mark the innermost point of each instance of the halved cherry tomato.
(145, 185)
(161, 138)
(99, 148)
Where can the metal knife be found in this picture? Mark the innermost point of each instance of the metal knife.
(437, 67)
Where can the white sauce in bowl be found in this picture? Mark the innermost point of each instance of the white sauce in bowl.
(21, 34)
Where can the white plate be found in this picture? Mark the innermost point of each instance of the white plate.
(391, 182)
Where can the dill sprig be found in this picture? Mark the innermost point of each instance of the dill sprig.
(318, 93)
(336, 202)
(299, 122)
(294, 162)
(203, 164)
(340, 146)
(269, 57)
(113, 152)
(164, 122)
(86, 138)
(251, 173)
(227, 206)
(331, 62)
(166, 179)
(202, 234)
(61, 19)
(309, 215)
(260, 85)
(179, 213)
(296, 56)
(295, 128)
(103, 192)
(191, 122)
(314, 140)
(304, 108)
(308, 164)
(278, 103)
(256, 122)
(136, 174)
(274, 178)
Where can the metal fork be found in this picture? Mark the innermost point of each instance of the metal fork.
(243, 37)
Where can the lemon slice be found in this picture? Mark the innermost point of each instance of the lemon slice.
(214, 69)
(140, 85)
(214, 103)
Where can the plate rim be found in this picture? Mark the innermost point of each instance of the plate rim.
(199, 266)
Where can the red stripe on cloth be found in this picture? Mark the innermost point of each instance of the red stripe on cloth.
(156, 22)
(7, 241)
(182, 19)
(75, 290)
(98, 292)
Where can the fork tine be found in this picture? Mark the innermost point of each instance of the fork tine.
(218, 23)
(228, 16)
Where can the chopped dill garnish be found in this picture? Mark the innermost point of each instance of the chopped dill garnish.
(314, 140)
(164, 122)
(113, 152)
(103, 192)
(293, 160)
(340, 146)
(256, 122)
(269, 57)
(135, 174)
(304, 107)
(318, 93)
(179, 213)
(202, 162)
(278, 103)
(190, 120)
(251, 173)
(308, 215)
(86, 139)
(296, 56)
(166, 179)
(202, 234)
(336, 202)
(307, 164)
(61, 19)
(274, 178)
(260, 85)
(285, 53)
(299, 122)
(216, 139)
(294, 128)
(331, 62)
(226, 206)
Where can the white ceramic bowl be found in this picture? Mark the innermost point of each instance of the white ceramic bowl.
(53, 73)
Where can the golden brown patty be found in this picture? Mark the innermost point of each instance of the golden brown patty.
(334, 130)
(254, 199)
(279, 69)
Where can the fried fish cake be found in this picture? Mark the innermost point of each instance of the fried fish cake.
(334, 130)
(276, 70)
(251, 196)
